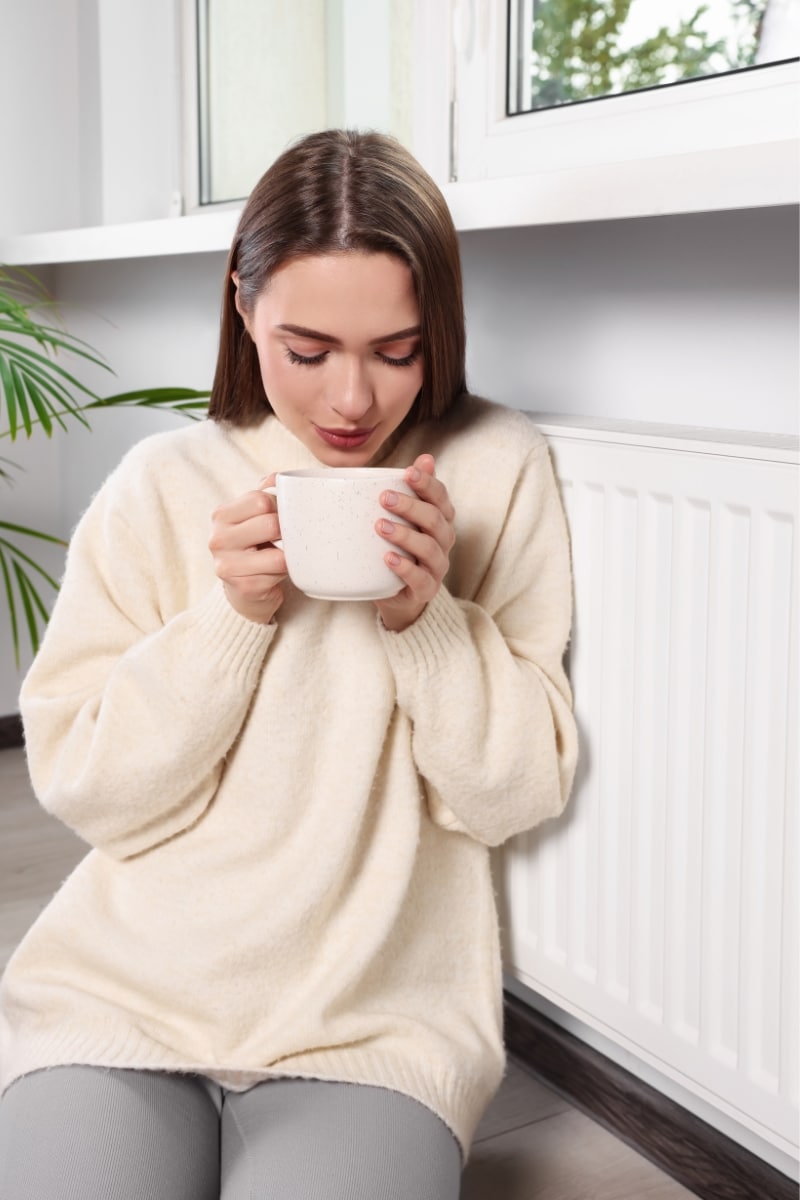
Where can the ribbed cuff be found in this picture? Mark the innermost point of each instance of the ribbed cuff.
(439, 632)
(232, 640)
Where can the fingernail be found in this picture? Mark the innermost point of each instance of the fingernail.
(386, 527)
(414, 475)
(390, 499)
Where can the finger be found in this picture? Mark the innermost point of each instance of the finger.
(253, 560)
(427, 550)
(245, 535)
(425, 463)
(251, 504)
(426, 485)
(420, 585)
(424, 514)
(267, 565)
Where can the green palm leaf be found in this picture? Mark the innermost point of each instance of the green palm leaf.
(37, 392)
(182, 400)
(19, 573)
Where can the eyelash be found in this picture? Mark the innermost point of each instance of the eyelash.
(303, 361)
(400, 362)
(316, 360)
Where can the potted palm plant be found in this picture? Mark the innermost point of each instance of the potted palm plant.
(38, 392)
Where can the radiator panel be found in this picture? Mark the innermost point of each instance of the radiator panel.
(662, 908)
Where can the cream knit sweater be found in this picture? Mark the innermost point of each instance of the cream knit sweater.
(288, 871)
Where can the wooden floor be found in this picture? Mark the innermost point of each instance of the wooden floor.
(531, 1144)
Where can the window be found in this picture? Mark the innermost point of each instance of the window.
(569, 51)
(268, 72)
(722, 141)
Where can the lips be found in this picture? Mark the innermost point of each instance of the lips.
(344, 439)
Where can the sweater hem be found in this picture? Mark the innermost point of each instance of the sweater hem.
(457, 1097)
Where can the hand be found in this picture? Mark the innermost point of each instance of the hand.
(429, 538)
(250, 567)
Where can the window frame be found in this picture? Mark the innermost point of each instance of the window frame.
(729, 125)
(191, 118)
(432, 64)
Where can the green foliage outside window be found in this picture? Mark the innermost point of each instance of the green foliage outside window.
(579, 50)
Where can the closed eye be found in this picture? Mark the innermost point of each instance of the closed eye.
(306, 360)
(406, 361)
(316, 360)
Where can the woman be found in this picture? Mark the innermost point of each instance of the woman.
(276, 972)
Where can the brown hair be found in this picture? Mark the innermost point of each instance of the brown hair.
(334, 191)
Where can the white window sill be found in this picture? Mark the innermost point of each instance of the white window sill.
(196, 234)
(754, 176)
(751, 176)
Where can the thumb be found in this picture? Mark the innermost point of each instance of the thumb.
(426, 463)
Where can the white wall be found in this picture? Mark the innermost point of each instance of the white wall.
(684, 319)
(132, 52)
(156, 321)
(39, 183)
(85, 83)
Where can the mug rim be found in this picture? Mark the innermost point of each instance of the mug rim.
(343, 474)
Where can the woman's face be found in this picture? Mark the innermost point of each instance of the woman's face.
(338, 343)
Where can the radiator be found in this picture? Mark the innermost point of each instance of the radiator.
(661, 909)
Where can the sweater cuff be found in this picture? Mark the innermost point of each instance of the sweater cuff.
(233, 641)
(439, 632)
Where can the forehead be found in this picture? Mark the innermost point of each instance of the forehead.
(344, 288)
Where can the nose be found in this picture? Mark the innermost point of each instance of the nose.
(352, 395)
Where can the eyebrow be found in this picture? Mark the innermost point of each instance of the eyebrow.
(301, 331)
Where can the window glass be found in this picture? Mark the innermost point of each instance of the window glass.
(269, 72)
(568, 51)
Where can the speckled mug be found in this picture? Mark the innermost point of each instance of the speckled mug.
(327, 517)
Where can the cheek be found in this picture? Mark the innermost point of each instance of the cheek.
(408, 387)
(278, 375)
(269, 362)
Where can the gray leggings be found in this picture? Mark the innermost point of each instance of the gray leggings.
(86, 1133)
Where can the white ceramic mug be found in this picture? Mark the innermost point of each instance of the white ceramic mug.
(327, 517)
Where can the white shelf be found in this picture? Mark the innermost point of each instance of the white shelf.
(197, 234)
(752, 176)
